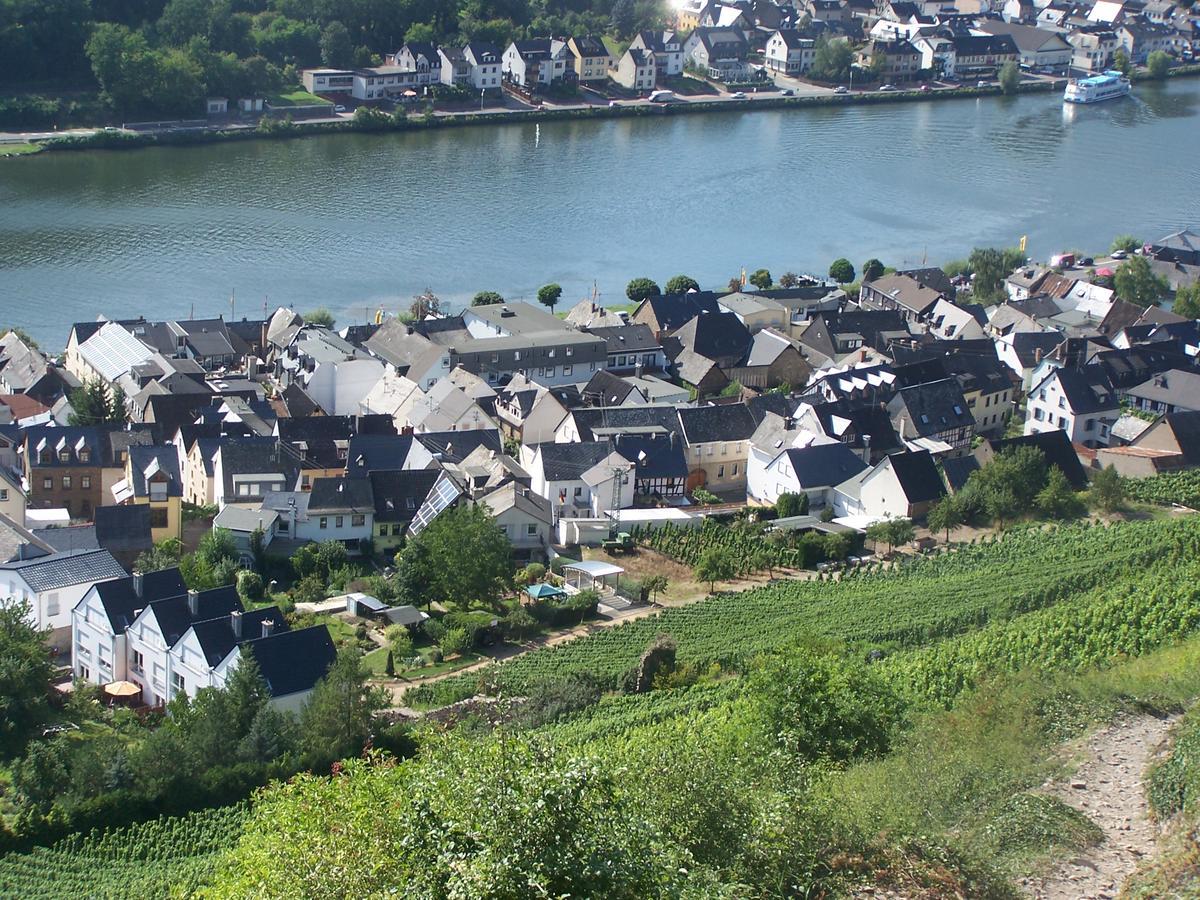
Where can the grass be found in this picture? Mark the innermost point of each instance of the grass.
(19, 149)
(298, 97)
(376, 663)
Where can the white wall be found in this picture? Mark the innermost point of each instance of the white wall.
(93, 645)
(339, 387)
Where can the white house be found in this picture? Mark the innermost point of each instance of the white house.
(194, 659)
(578, 478)
(290, 662)
(99, 620)
(903, 485)
(422, 58)
(485, 62)
(634, 71)
(814, 470)
(789, 52)
(339, 386)
(952, 322)
(523, 515)
(537, 62)
(54, 583)
(1080, 402)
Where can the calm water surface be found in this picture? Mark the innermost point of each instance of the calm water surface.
(355, 222)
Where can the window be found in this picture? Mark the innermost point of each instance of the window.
(85, 481)
(3, 494)
(324, 521)
(138, 663)
(85, 455)
(177, 683)
(1089, 425)
(411, 502)
(567, 370)
(52, 605)
(64, 455)
(339, 521)
(158, 517)
(47, 484)
(720, 471)
(1062, 402)
(735, 469)
(358, 521)
(1038, 414)
(531, 529)
(66, 482)
(578, 492)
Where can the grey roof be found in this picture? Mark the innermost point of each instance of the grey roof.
(627, 338)
(455, 446)
(398, 494)
(653, 456)
(292, 662)
(217, 636)
(824, 465)
(147, 462)
(122, 603)
(1056, 448)
(933, 407)
(599, 422)
(727, 422)
(1088, 390)
(340, 494)
(958, 469)
(174, 615)
(58, 570)
(607, 388)
(73, 537)
(714, 335)
(568, 462)
(377, 452)
(918, 476)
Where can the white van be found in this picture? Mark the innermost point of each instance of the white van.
(662, 96)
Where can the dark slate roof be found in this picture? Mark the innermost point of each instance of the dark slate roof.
(123, 528)
(174, 618)
(1032, 346)
(958, 469)
(624, 418)
(607, 389)
(121, 603)
(377, 452)
(774, 403)
(455, 446)
(72, 537)
(933, 278)
(672, 311)
(1087, 390)
(217, 638)
(293, 661)
(918, 476)
(705, 424)
(653, 457)
(73, 438)
(58, 570)
(173, 411)
(164, 459)
(248, 456)
(340, 494)
(866, 422)
(933, 407)
(298, 403)
(568, 462)
(398, 494)
(1056, 447)
(627, 338)
(823, 465)
(714, 335)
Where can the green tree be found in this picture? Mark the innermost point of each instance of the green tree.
(462, 557)
(706, 498)
(455, 642)
(761, 279)
(831, 60)
(640, 288)
(337, 50)
(789, 280)
(1187, 301)
(123, 63)
(420, 33)
(790, 504)
(733, 389)
(549, 294)
(1125, 243)
(654, 585)
(892, 532)
(1008, 484)
(399, 641)
(1057, 499)
(320, 316)
(337, 721)
(1136, 282)
(1158, 63)
(841, 271)
(368, 118)
(94, 404)
(1121, 63)
(991, 266)
(715, 564)
(486, 298)
(249, 586)
(681, 284)
(624, 18)
(163, 555)
(1108, 491)
(946, 515)
(25, 672)
(1009, 77)
(871, 270)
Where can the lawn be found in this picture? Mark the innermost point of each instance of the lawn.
(298, 97)
(19, 149)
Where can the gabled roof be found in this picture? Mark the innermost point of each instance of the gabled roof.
(607, 388)
(513, 495)
(378, 452)
(123, 529)
(905, 290)
(918, 476)
(71, 567)
(824, 465)
(635, 338)
(1185, 426)
(598, 422)
(653, 457)
(292, 662)
(340, 494)
(1056, 447)
(147, 464)
(1087, 390)
(122, 604)
(958, 469)
(568, 462)
(714, 335)
(217, 636)
(933, 407)
(455, 446)
(672, 311)
(399, 493)
(706, 424)
(174, 616)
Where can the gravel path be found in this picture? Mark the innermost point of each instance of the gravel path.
(1107, 787)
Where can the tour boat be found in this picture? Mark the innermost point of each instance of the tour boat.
(1096, 88)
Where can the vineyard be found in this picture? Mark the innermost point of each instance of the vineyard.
(1173, 487)
(927, 599)
(748, 546)
(167, 857)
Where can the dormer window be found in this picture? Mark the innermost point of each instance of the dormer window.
(64, 455)
(85, 455)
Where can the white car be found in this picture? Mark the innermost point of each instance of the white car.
(339, 108)
(841, 89)
(737, 95)
(888, 88)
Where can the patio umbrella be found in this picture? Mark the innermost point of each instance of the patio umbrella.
(410, 93)
(122, 689)
(1105, 272)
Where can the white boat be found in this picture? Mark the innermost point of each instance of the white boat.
(1106, 86)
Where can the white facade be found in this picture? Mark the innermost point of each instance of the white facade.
(485, 68)
(49, 609)
(348, 528)
(1049, 409)
(339, 387)
(97, 655)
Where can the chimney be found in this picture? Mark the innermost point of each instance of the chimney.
(268, 628)
(235, 622)
(193, 603)
(1037, 355)
(138, 585)
(866, 451)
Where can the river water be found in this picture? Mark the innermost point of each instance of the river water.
(353, 222)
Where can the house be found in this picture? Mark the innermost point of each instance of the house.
(397, 496)
(976, 54)
(899, 61)
(660, 469)
(902, 293)
(789, 52)
(772, 360)
(606, 389)
(99, 620)
(1181, 247)
(339, 509)
(756, 312)
(1023, 351)
(1175, 390)
(529, 413)
(423, 58)
(592, 58)
(665, 313)
(194, 659)
(12, 497)
(1079, 401)
(537, 63)
(1054, 445)
(1139, 38)
(1036, 48)
(719, 53)
(902, 485)
(933, 416)
(524, 516)
(720, 337)
(454, 68)
(392, 452)
(952, 322)
(634, 71)
(70, 468)
(631, 348)
(666, 48)
(717, 440)
(152, 478)
(291, 663)
(1093, 48)
(53, 583)
(444, 408)
(814, 470)
(245, 470)
(579, 479)
(486, 62)
(1170, 444)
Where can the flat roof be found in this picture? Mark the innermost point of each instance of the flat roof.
(594, 567)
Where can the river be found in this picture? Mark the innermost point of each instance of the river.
(352, 222)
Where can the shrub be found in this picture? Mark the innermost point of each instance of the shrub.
(519, 624)
(249, 586)
(455, 641)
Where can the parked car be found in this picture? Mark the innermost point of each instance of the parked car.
(662, 96)
(888, 88)
(787, 92)
(339, 108)
(925, 89)
(1119, 254)
(737, 95)
(981, 84)
(1087, 261)
(841, 89)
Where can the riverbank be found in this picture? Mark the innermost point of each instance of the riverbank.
(274, 129)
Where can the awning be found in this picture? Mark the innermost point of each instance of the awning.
(544, 591)
(594, 567)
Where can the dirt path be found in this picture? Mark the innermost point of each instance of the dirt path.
(1107, 787)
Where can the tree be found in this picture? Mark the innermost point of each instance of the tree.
(1125, 243)
(486, 298)
(163, 555)
(1057, 499)
(707, 498)
(841, 271)
(945, 515)
(1008, 484)
(1158, 63)
(654, 585)
(735, 284)
(1108, 492)
(733, 389)
(425, 304)
(337, 50)
(640, 288)
(789, 280)
(871, 270)
(831, 60)
(1009, 77)
(258, 549)
(715, 564)
(462, 557)
(790, 504)
(1187, 301)
(94, 404)
(681, 284)
(249, 586)
(624, 17)
(1121, 62)
(368, 118)
(455, 642)
(25, 672)
(23, 336)
(399, 641)
(891, 531)
(337, 720)
(990, 267)
(761, 279)
(1137, 283)
(549, 294)
(319, 316)
(420, 33)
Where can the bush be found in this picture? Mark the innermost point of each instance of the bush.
(519, 625)
(791, 504)
(399, 641)
(249, 586)
(434, 629)
(456, 641)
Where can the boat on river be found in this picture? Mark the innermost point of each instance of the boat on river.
(1105, 86)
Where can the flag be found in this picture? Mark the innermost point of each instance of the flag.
(1024, 239)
